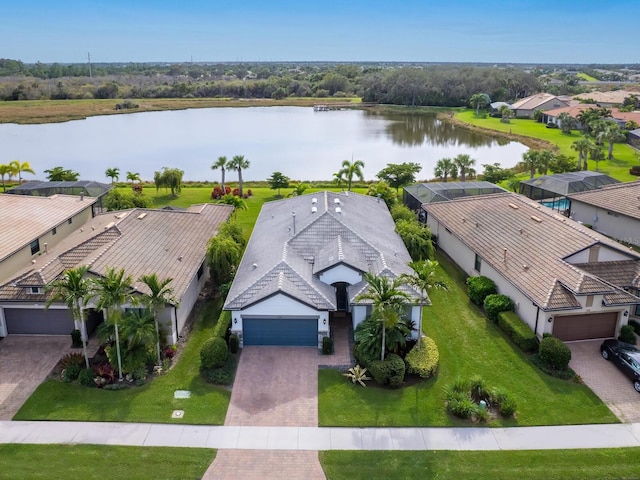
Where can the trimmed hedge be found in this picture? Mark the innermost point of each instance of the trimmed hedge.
(627, 335)
(224, 322)
(327, 345)
(519, 332)
(554, 353)
(479, 288)
(496, 303)
(220, 376)
(389, 371)
(214, 353)
(423, 358)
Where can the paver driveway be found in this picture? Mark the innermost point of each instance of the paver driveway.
(25, 361)
(606, 381)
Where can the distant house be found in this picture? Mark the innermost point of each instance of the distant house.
(613, 210)
(621, 118)
(303, 268)
(633, 138)
(33, 225)
(546, 263)
(525, 107)
(496, 106)
(606, 99)
(141, 241)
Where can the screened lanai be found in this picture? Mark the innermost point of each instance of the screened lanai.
(414, 196)
(46, 189)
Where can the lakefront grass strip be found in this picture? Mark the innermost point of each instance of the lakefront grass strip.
(469, 344)
(612, 463)
(33, 462)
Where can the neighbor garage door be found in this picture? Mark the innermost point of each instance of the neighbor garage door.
(280, 331)
(40, 322)
(583, 327)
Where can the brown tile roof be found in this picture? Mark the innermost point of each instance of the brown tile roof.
(576, 110)
(623, 273)
(534, 101)
(615, 96)
(27, 218)
(622, 198)
(534, 241)
(142, 241)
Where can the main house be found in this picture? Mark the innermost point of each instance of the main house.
(33, 225)
(168, 243)
(546, 263)
(304, 266)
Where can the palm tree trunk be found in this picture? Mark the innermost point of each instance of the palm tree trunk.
(118, 353)
(155, 320)
(83, 333)
(384, 342)
(610, 151)
(222, 180)
(240, 182)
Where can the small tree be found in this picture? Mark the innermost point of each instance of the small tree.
(60, 174)
(479, 101)
(113, 173)
(349, 170)
(169, 178)
(399, 174)
(223, 257)
(278, 180)
(567, 122)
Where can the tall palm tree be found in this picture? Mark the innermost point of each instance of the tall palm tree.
(5, 170)
(351, 169)
(111, 292)
(113, 173)
(478, 101)
(133, 177)
(159, 295)
(444, 168)
(582, 146)
(239, 163)
(73, 289)
(19, 167)
(464, 164)
(222, 164)
(612, 133)
(532, 161)
(388, 301)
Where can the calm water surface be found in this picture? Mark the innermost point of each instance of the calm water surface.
(297, 141)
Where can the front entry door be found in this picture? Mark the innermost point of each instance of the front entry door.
(341, 296)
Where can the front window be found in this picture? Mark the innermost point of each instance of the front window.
(35, 247)
(637, 310)
(478, 263)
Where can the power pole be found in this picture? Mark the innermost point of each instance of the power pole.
(89, 58)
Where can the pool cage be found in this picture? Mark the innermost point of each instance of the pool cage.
(414, 196)
(46, 189)
(552, 190)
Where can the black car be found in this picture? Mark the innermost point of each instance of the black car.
(626, 357)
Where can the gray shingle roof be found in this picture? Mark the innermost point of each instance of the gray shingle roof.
(286, 251)
(534, 241)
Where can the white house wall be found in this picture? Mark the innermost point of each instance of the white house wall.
(604, 254)
(614, 225)
(341, 273)
(188, 300)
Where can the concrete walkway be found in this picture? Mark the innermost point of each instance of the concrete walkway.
(317, 438)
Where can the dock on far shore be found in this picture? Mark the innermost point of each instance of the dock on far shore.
(326, 107)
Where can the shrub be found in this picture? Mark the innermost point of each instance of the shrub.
(234, 343)
(636, 326)
(389, 371)
(361, 356)
(566, 374)
(627, 334)
(554, 353)
(85, 377)
(462, 406)
(401, 212)
(214, 353)
(224, 323)
(220, 376)
(327, 345)
(496, 303)
(508, 407)
(71, 373)
(76, 338)
(479, 288)
(635, 170)
(357, 374)
(106, 372)
(519, 332)
(170, 351)
(478, 388)
(72, 359)
(423, 358)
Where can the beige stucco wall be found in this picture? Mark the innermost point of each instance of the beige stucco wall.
(612, 224)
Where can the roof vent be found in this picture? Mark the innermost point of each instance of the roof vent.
(338, 210)
(141, 216)
(314, 200)
(314, 209)
(109, 225)
(254, 266)
(514, 206)
(336, 201)
(525, 267)
(504, 254)
(536, 219)
(521, 231)
(180, 258)
(93, 227)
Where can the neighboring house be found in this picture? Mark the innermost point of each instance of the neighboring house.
(525, 107)
(496, 106)
(88, 188)
(621, 118)
(633, 138)
(413, 196)
(142, 241)
(32, 225)
(304, 266)
(613, 210)
(537, 258)
(605, 99)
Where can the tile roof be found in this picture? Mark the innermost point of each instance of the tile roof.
(142, 241)
(534, 101)
(623, 273)
(294, 239)
(614, 96)
(527, 244)
(622, 198)
(31, 217)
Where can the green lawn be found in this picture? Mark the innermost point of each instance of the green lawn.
(153, 402)
(624, 156)
(32, 462)
(468, 344)
(618, 463)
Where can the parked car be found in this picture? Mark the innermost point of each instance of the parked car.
(626, 357)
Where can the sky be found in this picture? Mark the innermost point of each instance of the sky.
(492, 31)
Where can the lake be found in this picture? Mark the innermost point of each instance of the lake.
(300, 143)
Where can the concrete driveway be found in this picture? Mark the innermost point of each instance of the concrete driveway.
(25, 361)
(606, 381)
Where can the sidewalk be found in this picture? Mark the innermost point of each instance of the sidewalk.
(323, 438)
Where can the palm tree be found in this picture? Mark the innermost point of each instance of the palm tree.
(612, 133)
(388, 301)
(299, 189)
(582, 146)
(464, 164)
(112, 291)
(73, 290)
(19, 167)
(5, 170)
(159, 295)
(423, 279)
(133, 176)
(239, 163)
(113, 173)
(444, 168)
(351, 169)
(567, 122)
(532, 161)
(222, 164)
(478, 101)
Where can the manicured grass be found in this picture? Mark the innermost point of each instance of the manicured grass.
(624, 156)
(469, 344)
(618, 463)
(20, 462)
(586, 78)
(153, 402)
